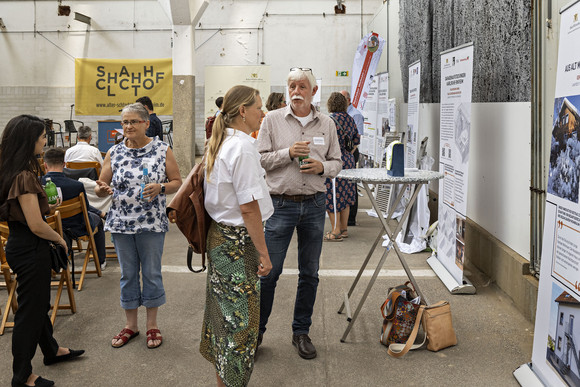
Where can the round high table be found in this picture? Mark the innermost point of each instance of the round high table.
(413, 180)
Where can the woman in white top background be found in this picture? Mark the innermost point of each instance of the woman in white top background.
(237, 200)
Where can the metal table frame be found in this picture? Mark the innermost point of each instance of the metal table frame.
(413, 179)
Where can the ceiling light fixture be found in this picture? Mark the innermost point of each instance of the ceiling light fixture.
(63, 10)
(340, 8)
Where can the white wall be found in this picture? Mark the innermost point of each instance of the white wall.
(47, 58)
(294, 34)
(499, 166)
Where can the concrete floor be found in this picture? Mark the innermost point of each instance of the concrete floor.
(493, 337)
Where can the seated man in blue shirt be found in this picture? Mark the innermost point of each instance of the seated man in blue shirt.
(155, 126)
(70, 188)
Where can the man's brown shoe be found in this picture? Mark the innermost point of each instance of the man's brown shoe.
(304, 345)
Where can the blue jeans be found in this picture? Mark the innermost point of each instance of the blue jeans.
(143, 252)
(308, 219)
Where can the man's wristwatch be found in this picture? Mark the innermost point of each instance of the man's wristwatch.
(162, 188)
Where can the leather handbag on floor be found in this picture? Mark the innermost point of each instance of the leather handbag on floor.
(438, 327)
(399, 314)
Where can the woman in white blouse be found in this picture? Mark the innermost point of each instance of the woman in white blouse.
(237, 199)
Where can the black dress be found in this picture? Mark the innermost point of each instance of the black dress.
(29, 257)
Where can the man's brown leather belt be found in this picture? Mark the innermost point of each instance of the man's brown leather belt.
(294, 198)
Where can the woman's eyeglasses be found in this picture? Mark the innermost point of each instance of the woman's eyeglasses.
(300, 68)
(132, 122)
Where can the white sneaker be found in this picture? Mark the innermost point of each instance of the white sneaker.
(103, 265)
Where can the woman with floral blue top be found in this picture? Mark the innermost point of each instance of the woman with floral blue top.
(138, 173)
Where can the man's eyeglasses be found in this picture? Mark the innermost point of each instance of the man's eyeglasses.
(301, 68)
(132, 122)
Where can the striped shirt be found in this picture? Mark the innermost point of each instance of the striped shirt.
(279, 131)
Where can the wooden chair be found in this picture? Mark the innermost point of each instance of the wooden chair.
(84, 164)
(9, 283)
(73, 207)
(70, 128)
(54, 221)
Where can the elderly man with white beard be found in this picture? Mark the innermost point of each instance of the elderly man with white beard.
(299, 148)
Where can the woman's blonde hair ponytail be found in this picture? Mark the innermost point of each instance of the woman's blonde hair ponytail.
(236, 97)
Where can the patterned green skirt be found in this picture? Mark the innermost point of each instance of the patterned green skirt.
(232, 304)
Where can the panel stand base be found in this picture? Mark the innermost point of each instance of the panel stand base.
(452, 285)
(526, 376)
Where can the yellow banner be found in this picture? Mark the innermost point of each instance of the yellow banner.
(104, 86)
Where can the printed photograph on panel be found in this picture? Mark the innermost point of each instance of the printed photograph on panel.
(460, 229)
(462, 130)
(459, 254)
(563, 337)
(565, 149)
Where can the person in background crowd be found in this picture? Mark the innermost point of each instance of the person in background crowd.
(155, 126)
(341, 195)
(360, 125)
(275, 101)
(219, 102)
(83, 150)
(298, 193)
(23, 204)
(70, 188)
(137, 219)
(211, 119)
(237, 200)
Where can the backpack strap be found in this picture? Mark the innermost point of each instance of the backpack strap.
(190, 257)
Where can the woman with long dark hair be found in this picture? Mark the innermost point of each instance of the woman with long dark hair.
(23, 203)
(238, 201)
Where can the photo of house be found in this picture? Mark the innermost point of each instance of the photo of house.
(563, 180)
(566, 121)
(564, 338)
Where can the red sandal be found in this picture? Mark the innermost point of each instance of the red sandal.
(124, 338)
(152, 334)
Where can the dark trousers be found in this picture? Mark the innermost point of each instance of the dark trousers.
(99, 237)
(28, 256)
(354, 207)
(307, 218)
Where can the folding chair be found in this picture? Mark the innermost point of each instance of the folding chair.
(84, 165)
(70, 128)
(9, 283)
(54, 222)
(70, 208)
(168, 131)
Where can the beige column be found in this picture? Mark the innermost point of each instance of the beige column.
(184, 14)
(184, 121)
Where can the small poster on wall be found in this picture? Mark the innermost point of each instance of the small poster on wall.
(413, 113)
(219, 79)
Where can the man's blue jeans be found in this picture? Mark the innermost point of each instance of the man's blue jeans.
(307, 218)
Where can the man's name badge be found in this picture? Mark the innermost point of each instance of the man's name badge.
(318, 140)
